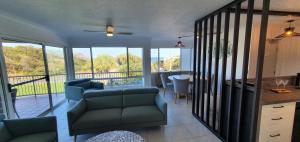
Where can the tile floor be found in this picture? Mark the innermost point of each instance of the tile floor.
(182, 126)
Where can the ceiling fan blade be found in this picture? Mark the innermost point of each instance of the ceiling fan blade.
(94, 31)
(186, 36)
(124, 33)
(297, 34)
(280, 36)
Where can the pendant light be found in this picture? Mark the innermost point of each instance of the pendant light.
(289, 31)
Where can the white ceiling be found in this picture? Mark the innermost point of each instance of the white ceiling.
(147, 19)
(155, 19)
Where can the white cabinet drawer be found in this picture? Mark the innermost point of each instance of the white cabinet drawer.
(274, 138)
(276, 123)
(276, 109)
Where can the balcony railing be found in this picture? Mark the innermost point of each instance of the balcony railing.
(39, 85)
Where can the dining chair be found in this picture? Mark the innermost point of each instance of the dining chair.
(165, 82)
(181, 86)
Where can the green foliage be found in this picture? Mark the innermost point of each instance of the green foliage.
(170, 64)
(104, 63)
(24, 60)
(154, 67)
(135, 64)
(56, 63)
(82, 64)
(28, 60)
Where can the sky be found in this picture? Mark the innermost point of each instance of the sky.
(113, 51)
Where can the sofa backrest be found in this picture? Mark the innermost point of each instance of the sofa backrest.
(84, 83)
(139, 96)
(115, 98)
(77, 81)
(101, 99)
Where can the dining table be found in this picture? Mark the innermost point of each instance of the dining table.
(181, 76)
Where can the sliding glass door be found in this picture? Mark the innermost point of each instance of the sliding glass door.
(28, 79)
(57, 72)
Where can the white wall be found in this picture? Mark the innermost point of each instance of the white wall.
(186, 58)
(288, 57)
(281, 56)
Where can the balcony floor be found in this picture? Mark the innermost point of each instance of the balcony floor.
(32, 106)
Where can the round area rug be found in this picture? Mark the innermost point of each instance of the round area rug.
(117, 136)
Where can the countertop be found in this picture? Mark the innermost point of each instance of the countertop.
(269, 97)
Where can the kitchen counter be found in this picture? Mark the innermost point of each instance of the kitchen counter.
(269, 97)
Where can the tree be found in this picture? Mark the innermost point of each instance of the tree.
(56, 63)
(24, 60)
(172, 63)
(104, 63)
(135, 64)
(82, 64)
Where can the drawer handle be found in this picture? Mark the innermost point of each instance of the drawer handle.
(278, 106)
(277, 118)
(276, 135)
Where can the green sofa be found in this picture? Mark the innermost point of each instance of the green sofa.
(103, 110)
(75, 89)
(42, 129)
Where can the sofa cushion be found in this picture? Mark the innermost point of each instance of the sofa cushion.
(98, 118)
(38, 137)
(102, 99)
(139, 96)
(141, 114)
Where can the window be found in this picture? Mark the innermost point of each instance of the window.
(165, 59)
(56, 61)
(154, 60)
(57, 72)
(110, 61)
(82, 62)
(135, 60)
(169, 59)
(114, 66)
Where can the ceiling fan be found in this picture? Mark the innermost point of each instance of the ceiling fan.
(110, 31)
(179, 42)
(289, 31)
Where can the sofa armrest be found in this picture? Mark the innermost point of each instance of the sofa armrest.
(162, 105)
(74, 92)
(97, 85)
(5, 135)
(74, 113)
(20, 127)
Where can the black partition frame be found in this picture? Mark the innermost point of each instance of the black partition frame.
(236, 117)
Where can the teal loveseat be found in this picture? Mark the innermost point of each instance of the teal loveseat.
(74, 89)
(42, 129)
(103, 110)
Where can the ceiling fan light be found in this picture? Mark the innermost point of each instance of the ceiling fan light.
(109, 34)
(289, 33)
